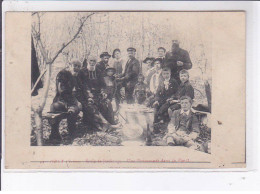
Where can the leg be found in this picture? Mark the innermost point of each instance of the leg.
(106, 110)
(192, 144)
(55, 135)
(129, 90)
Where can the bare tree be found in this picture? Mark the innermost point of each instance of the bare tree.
(48, 70)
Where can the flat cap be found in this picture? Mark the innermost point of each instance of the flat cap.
(131, 49)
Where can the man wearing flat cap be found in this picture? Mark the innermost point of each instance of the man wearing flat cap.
(177, 59)
(130, 76)
(104, 62)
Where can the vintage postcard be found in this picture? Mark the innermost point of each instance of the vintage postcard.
(135, 90)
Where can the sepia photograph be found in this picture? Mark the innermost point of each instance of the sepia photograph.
(120, 79)
(125, 89)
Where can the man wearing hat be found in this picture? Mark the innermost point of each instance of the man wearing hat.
(104, 62)
(161, 54)
(130, 76)
(177, 59)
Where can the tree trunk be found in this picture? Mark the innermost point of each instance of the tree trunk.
(208, 94)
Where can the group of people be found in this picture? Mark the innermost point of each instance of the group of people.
(161, 83)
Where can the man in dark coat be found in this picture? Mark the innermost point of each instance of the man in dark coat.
(130, 76)
(64, 101)
(165, 92)
(96, 109)
(177, 59)
(104, 62)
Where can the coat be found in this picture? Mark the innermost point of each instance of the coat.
(66, 81)
(192, 123)
(162, 94)
(185, 89)
(171, 59)
(130, 75)
(91, 81)
(102, 67)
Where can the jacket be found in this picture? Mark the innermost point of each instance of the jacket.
(192, 123)
(171, 59)
(132, 69)
(162, 94)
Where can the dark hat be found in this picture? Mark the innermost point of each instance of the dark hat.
(147, 59)
(162, 49)
(131, 49)
(105, 54)
(110, 68)
(113, 55)
(158, 59)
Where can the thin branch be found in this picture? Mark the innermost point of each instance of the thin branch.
(74, 37)
(37, 81)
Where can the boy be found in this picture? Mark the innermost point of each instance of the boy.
(183, 128)
(185, 89)
(166, 90)
(140, 90)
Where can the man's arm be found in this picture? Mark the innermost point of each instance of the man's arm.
(195, 130)
(186, 61)
(189, 91)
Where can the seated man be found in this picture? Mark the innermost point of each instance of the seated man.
(185, 89)
(166, 91)
(140, 90)
(64, 101)
(183, 128)
(96, 112)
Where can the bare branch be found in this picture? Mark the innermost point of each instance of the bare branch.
(74, 37)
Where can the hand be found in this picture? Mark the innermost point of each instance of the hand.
(90, 95)
(186, 138)
(179, 63)
(173, 101)
(90, 101)
(71, 111)
(156, 103)
(193, 135)
(104, 95)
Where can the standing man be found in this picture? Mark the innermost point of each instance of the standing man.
(130, 76)
(161, 54)
(104, 62)
(177, 59)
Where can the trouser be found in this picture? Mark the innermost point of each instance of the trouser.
(161, 112)
(129, 91)
(179, 141)
(118, 96)
(71, 119)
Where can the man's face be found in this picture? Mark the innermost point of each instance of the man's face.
(117, 54)
(166, 75)
(185, 105)
(105, 59)
(161, 53)
(157, 65)
(76, 68)
(110, 72)
(175, 46)
(184, 77)
(131, 54)
(92, 63)
(149, 62)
